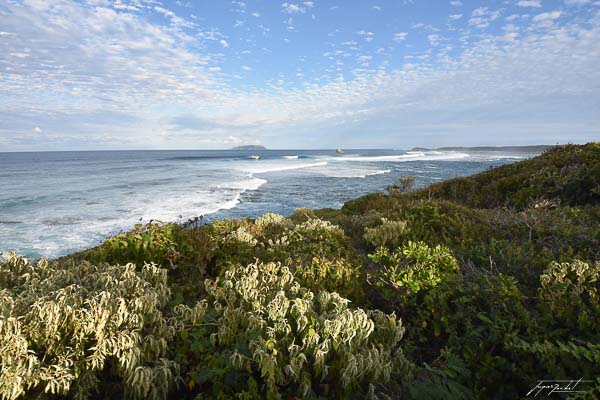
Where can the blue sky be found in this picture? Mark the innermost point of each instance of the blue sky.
(147, 74)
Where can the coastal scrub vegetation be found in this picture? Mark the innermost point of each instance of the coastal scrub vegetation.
(473, 288)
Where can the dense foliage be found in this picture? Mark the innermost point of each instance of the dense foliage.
(273, 338)
(564, 175)
(65, 327)
(476, 287)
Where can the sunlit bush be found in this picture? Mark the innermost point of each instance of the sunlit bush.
(63, 327)
(277, 337)
(337, 275)
(389, 233)
(570, 294)
(241, 236)
(271, 225)
(567, 173)
(152, 242)
(316, 237)
(411, 268)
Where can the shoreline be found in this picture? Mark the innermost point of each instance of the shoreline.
(381, 171)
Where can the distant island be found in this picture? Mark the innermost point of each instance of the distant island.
(250, 147)
(535, 149)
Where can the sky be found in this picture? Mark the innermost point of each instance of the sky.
(149, 74)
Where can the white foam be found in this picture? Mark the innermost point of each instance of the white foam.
(380, 172)
(276, 167)
(352, 173)
(225, 205)
(244, 185)
(408, 157)
(290, 157)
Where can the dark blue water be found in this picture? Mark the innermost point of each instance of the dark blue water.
(56, 203)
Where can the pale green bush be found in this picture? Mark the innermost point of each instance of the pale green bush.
(389, 233)
(319, 227)
(242, 235)
(270, 219)
(286, 336)
(570, 293)
(62, 325)
(338, 275)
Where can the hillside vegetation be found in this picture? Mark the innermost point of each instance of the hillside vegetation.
(473, 288)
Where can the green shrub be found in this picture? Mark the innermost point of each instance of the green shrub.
(473, 316)
(152, 242)
(318, 238)
(234, 244)
(272, 225)
(270, 338)
(337, 275)
(73, 329)
(404, 184)
(568, 173)
(442, 380)
(370, 202)
(559, 358)
(389, 233)
(196, 251)
(411, 268)
(570, 295)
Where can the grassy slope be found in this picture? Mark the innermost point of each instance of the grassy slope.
(568, 173)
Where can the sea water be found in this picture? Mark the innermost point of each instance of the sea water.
(56, 203)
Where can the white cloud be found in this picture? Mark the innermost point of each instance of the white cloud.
(456, 3)
(37, 129)
(547, 16)
(454, 17)
(367, 35)
(400, 36)
(433, 39)
(129, 76)
(530, 3)
(482, 17)
(232, 140)
(577, 2)
(513, 17)
(546, 20)
(297, 8)
(224, 43)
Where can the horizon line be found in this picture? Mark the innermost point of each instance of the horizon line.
(295, 149)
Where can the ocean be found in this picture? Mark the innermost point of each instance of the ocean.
(56, 203)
